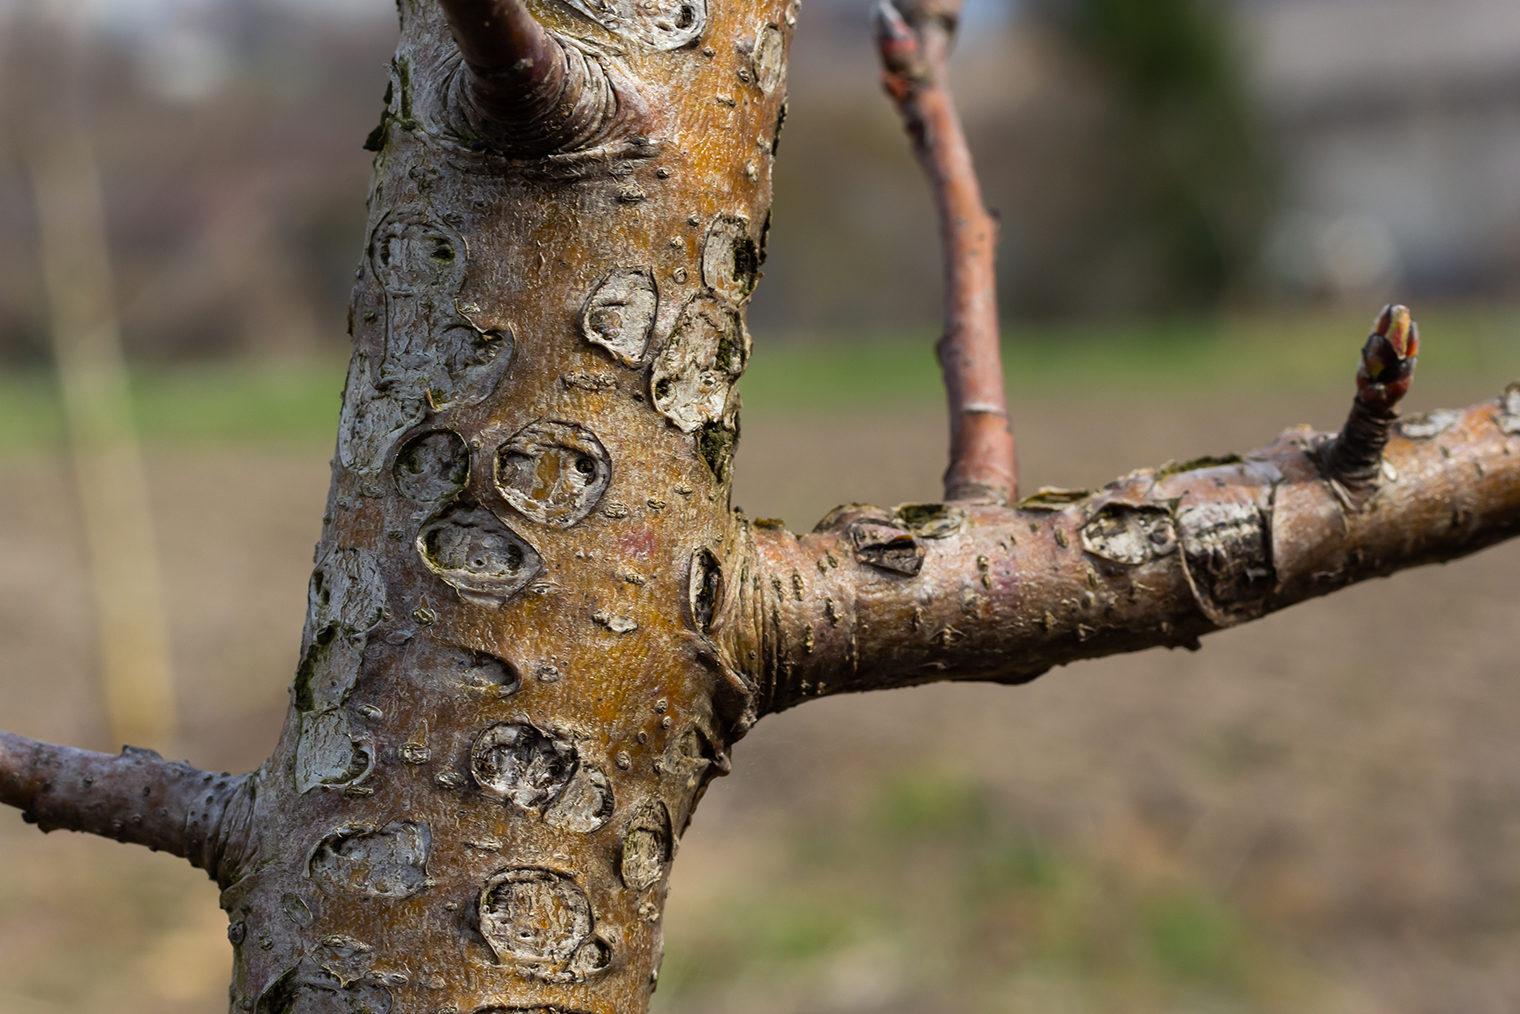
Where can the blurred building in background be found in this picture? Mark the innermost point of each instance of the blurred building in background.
(1398, 122)
(1145, 156)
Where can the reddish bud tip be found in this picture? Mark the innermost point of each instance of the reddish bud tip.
(1388, 358)
(898, 45)
(1395, 324)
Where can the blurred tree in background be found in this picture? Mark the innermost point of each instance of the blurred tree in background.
(1172, 190)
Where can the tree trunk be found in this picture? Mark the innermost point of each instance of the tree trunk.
(536, 627)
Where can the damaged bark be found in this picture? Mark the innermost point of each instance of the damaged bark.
(535, 625)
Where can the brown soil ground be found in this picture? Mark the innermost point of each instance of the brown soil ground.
(1318, 812)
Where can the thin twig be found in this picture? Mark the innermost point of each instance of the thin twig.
(914, 40)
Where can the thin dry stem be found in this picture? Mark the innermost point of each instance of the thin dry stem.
(914, 41)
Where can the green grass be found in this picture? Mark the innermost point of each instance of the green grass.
(951, 904)
(1288, 353)
(242, 401)
(204, 402)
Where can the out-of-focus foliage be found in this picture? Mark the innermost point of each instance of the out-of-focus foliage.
(1144, 156)
(234, 177)
(1173, 183)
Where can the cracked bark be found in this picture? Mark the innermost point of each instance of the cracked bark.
(536, 627)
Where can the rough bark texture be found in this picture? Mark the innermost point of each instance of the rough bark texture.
(536, 627)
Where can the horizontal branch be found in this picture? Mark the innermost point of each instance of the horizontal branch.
(875, 598)
(528, 90)
(135, 797)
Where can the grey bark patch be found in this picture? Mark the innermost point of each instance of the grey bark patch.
(429, 350)
(345, 959)
(296, 910)
(730, 258)
(706, 353)
(931, 520)
(327, 753)
(522, 764)
(1429, 424)
(659, 24)
(1509, 410)
(414, 256)
(1227, 554)
(473, 361)
(310, 989)
(586, 803)
(553, 472)
(536, 917)
(484, 561)
(328, 670)
(704, 589)
(449, 667)
(389, 863)
(432, 466)
(1131, 535)
(371, 420)
(768, 59)
(646, 848)
(620, 313)
(887, 547)
(346, 590)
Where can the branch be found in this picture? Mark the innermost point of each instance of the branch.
(914, 39)
(525, 88)
(876, 598)
(135, 797)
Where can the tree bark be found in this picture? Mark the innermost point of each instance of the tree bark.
(535, 625)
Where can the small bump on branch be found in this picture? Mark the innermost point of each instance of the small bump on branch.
(135, 797)
(1354, 460)
(527, 90)
(913, 38)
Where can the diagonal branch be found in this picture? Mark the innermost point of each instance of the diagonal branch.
(528, 90)
(914, 39)
(135, 797)
(876, 598)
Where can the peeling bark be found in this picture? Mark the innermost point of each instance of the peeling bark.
(535, 626)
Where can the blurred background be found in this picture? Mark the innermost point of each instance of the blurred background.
(1203, 205)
